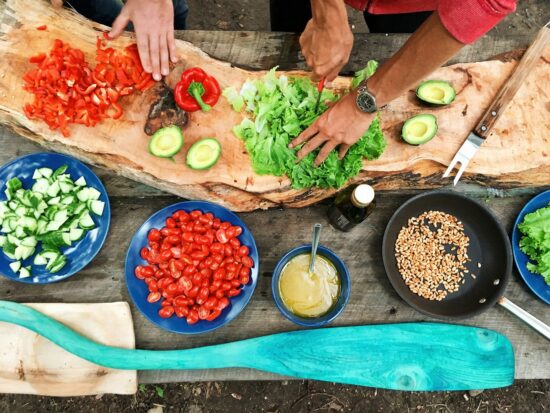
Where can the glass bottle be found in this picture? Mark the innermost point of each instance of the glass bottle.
(351, 207)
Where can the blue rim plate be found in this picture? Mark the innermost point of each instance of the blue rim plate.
(138, 289)
(534, 281)
(79, 254)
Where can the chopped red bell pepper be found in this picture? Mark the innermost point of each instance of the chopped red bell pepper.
(196, 90)
(66, 90)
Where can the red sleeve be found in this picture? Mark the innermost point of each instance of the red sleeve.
(468, 20)
(358, 4)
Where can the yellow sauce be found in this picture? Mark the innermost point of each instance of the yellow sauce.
(309, 295)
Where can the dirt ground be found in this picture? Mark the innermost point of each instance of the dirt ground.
(529, 396)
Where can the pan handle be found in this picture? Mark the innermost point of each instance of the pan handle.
(533, 321)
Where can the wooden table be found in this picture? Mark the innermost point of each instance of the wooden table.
(372, 299)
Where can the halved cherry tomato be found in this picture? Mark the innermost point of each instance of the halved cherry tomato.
(153, 297)
(166, 312)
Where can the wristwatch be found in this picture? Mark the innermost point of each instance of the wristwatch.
(365, 100)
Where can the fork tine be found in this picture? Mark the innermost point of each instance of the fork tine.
(450, 168)
(463, 165)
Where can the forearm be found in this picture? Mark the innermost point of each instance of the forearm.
(425, 51)
(329, 11)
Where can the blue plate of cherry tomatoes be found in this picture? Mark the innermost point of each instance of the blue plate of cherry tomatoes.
(192, 267)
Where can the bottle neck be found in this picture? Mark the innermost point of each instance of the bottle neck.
(361, 200)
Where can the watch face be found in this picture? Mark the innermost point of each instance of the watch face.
(366, 102)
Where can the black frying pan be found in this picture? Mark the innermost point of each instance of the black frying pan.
(489, 245)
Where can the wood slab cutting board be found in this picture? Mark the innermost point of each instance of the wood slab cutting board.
(516, 154)
(32, 364)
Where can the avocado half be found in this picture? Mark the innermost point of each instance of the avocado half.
(436, 92)
(419, 129)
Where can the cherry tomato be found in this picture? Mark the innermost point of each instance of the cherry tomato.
(138, 272)
(166, 312)
(213, 315)
(221, 236)
(230, 232)
(233, 292)
(144, 253)
(247, 262)
(220, 294)
(153, 297)
(181, 312)
(154, 235)
(188, 236)
(170, 223)
(202, 240)
(193, 317)
(165, 255)
(196, 214)
(203, 313)
(244, 279)
(235, 243)
(193, 292)
(225, 225)
(172, 289)
(222, 303)
(199, 255)
(238, 230)
(243, 251)
(216, 223)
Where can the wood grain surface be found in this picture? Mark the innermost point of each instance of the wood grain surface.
(372, 298)
(508, 90)
(515, 154)
(32, 364)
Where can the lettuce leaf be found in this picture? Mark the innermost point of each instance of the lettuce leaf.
(280, 108)
(535, 242)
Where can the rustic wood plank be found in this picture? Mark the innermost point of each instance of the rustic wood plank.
(372, 300)
(502, 162)
(261, 50)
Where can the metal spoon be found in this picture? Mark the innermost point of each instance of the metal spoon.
(314, 244)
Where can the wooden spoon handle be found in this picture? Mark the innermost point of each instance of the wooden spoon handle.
(514, 82)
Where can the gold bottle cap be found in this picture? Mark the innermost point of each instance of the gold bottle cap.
(362, 195)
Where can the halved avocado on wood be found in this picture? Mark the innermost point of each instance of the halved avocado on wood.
(204, 153)
(419, 129)
(166, 142)
(436, 92)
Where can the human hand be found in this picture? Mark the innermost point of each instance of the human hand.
(154, 25)
(326, 47)
(341, 125)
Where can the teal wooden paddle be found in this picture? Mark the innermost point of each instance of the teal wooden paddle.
(408, 356)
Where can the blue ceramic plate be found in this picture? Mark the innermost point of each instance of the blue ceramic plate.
(534, 281)
(138, 289)
(80, 253)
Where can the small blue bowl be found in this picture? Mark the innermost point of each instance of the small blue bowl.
(534, 281)
(81, 253)
(345, 285)
(138, 289)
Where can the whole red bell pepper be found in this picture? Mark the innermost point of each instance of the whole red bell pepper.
(196, 90)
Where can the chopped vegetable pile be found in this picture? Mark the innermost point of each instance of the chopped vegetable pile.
(281, 108)
(196, 264)
(56, 211)
(536, 241)
(66, 90)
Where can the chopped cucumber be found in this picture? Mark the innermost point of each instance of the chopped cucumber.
(97, 207)
(25, 272)
(15, 266)
(53, 214)
(80, 181)
(86, 221)
(76, 234)
(45, 172)
(39, 259)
